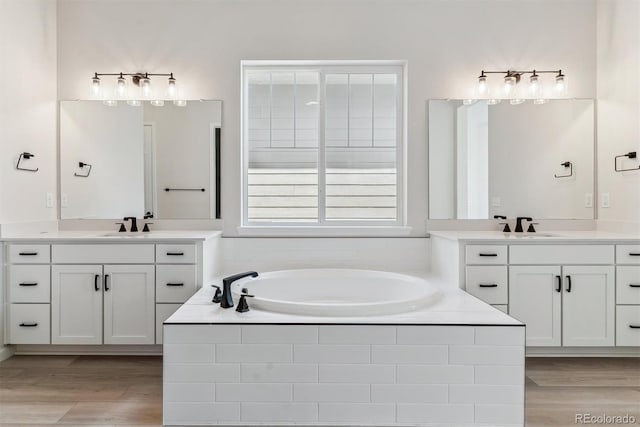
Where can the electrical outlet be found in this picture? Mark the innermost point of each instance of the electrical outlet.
(588, 200)
(51, 201)
(64, 200)
(496, 202)
(605, 200)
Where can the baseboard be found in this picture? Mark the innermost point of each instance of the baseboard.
(87, 350)
(6, 352)
(582, 351)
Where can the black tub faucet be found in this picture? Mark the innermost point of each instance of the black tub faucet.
(134, 224)
(519, 220)
(227, 300)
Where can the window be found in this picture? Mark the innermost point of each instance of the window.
(322, 143)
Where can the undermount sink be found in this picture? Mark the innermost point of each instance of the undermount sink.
(126, 235)
(534, 235)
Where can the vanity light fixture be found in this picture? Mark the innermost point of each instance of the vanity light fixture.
(123, 91)
(180, 103)
(511, 80)
(157, 102)
(110, 102)
(494, 101)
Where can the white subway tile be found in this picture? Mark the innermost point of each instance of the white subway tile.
(347, 334)
(433, 335)
(480, 393)
(331, 392)
(409, 393)
(435, 374)
(278, 373)
(367, 374)
(194, 334)
(505, 375)
(189, 353)
(435, 414)
(499, 335)
(280, 334)
(247, 392)
(253, 353)
(402, 354)
(500, 414)
(200, 413)
(280, 412)
(486, 355)
(188, 392)
(374, 413)
(201, 373)
(303, 353)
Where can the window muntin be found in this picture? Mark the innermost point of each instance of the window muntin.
(322, 145)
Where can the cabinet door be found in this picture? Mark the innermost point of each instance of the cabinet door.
(129, 304)
(535, 300)
(76, 304)
(588, 306)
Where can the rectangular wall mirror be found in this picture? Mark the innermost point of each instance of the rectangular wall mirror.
(123, 160)
(512, 160)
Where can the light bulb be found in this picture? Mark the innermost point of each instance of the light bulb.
(468, 101)
(145, 85)
(540, 101)
(180, 103)
(493, 101)
(172, 91)
(509, 86)
(95, 86)
(483, 87)
(516, 101)
(535, 85)
(110, 102)
(121, 86)
(134, 102)
(157, 103)
(561, 84)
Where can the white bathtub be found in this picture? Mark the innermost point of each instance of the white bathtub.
(337, 292)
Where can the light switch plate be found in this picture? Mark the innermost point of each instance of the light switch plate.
(51, 201)
(605, 200)
(588, 200)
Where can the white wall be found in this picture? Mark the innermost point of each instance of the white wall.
(27, 108)
(110, 139)
(446, 44)
(619, 106)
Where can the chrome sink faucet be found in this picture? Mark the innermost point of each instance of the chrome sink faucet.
(227, 301)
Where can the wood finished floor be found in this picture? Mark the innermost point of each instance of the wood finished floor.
(127, 391)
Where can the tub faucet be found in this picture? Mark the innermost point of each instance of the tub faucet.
(227, 300)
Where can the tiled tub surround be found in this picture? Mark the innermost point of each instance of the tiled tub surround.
(269, 369)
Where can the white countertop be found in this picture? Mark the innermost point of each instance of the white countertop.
(102, 236)
(538, 237)
(455, 307)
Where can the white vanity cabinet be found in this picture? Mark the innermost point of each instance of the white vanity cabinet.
(103, 304)
(116, 292)
(628, 295)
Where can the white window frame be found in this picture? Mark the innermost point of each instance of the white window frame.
(359, 227)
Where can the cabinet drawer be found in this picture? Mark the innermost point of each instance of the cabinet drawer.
(103, 254)
(561, 254)
(175, 283)
(29, 254)
(176, 254)
(488, 283)
(486, 254)
(163, 312)
(628, 325)
(29, 324)
(628, 254)
(628, 285)
(29, 283)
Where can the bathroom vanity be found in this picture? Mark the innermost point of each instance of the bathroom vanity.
(94, 288)
(577, 292)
